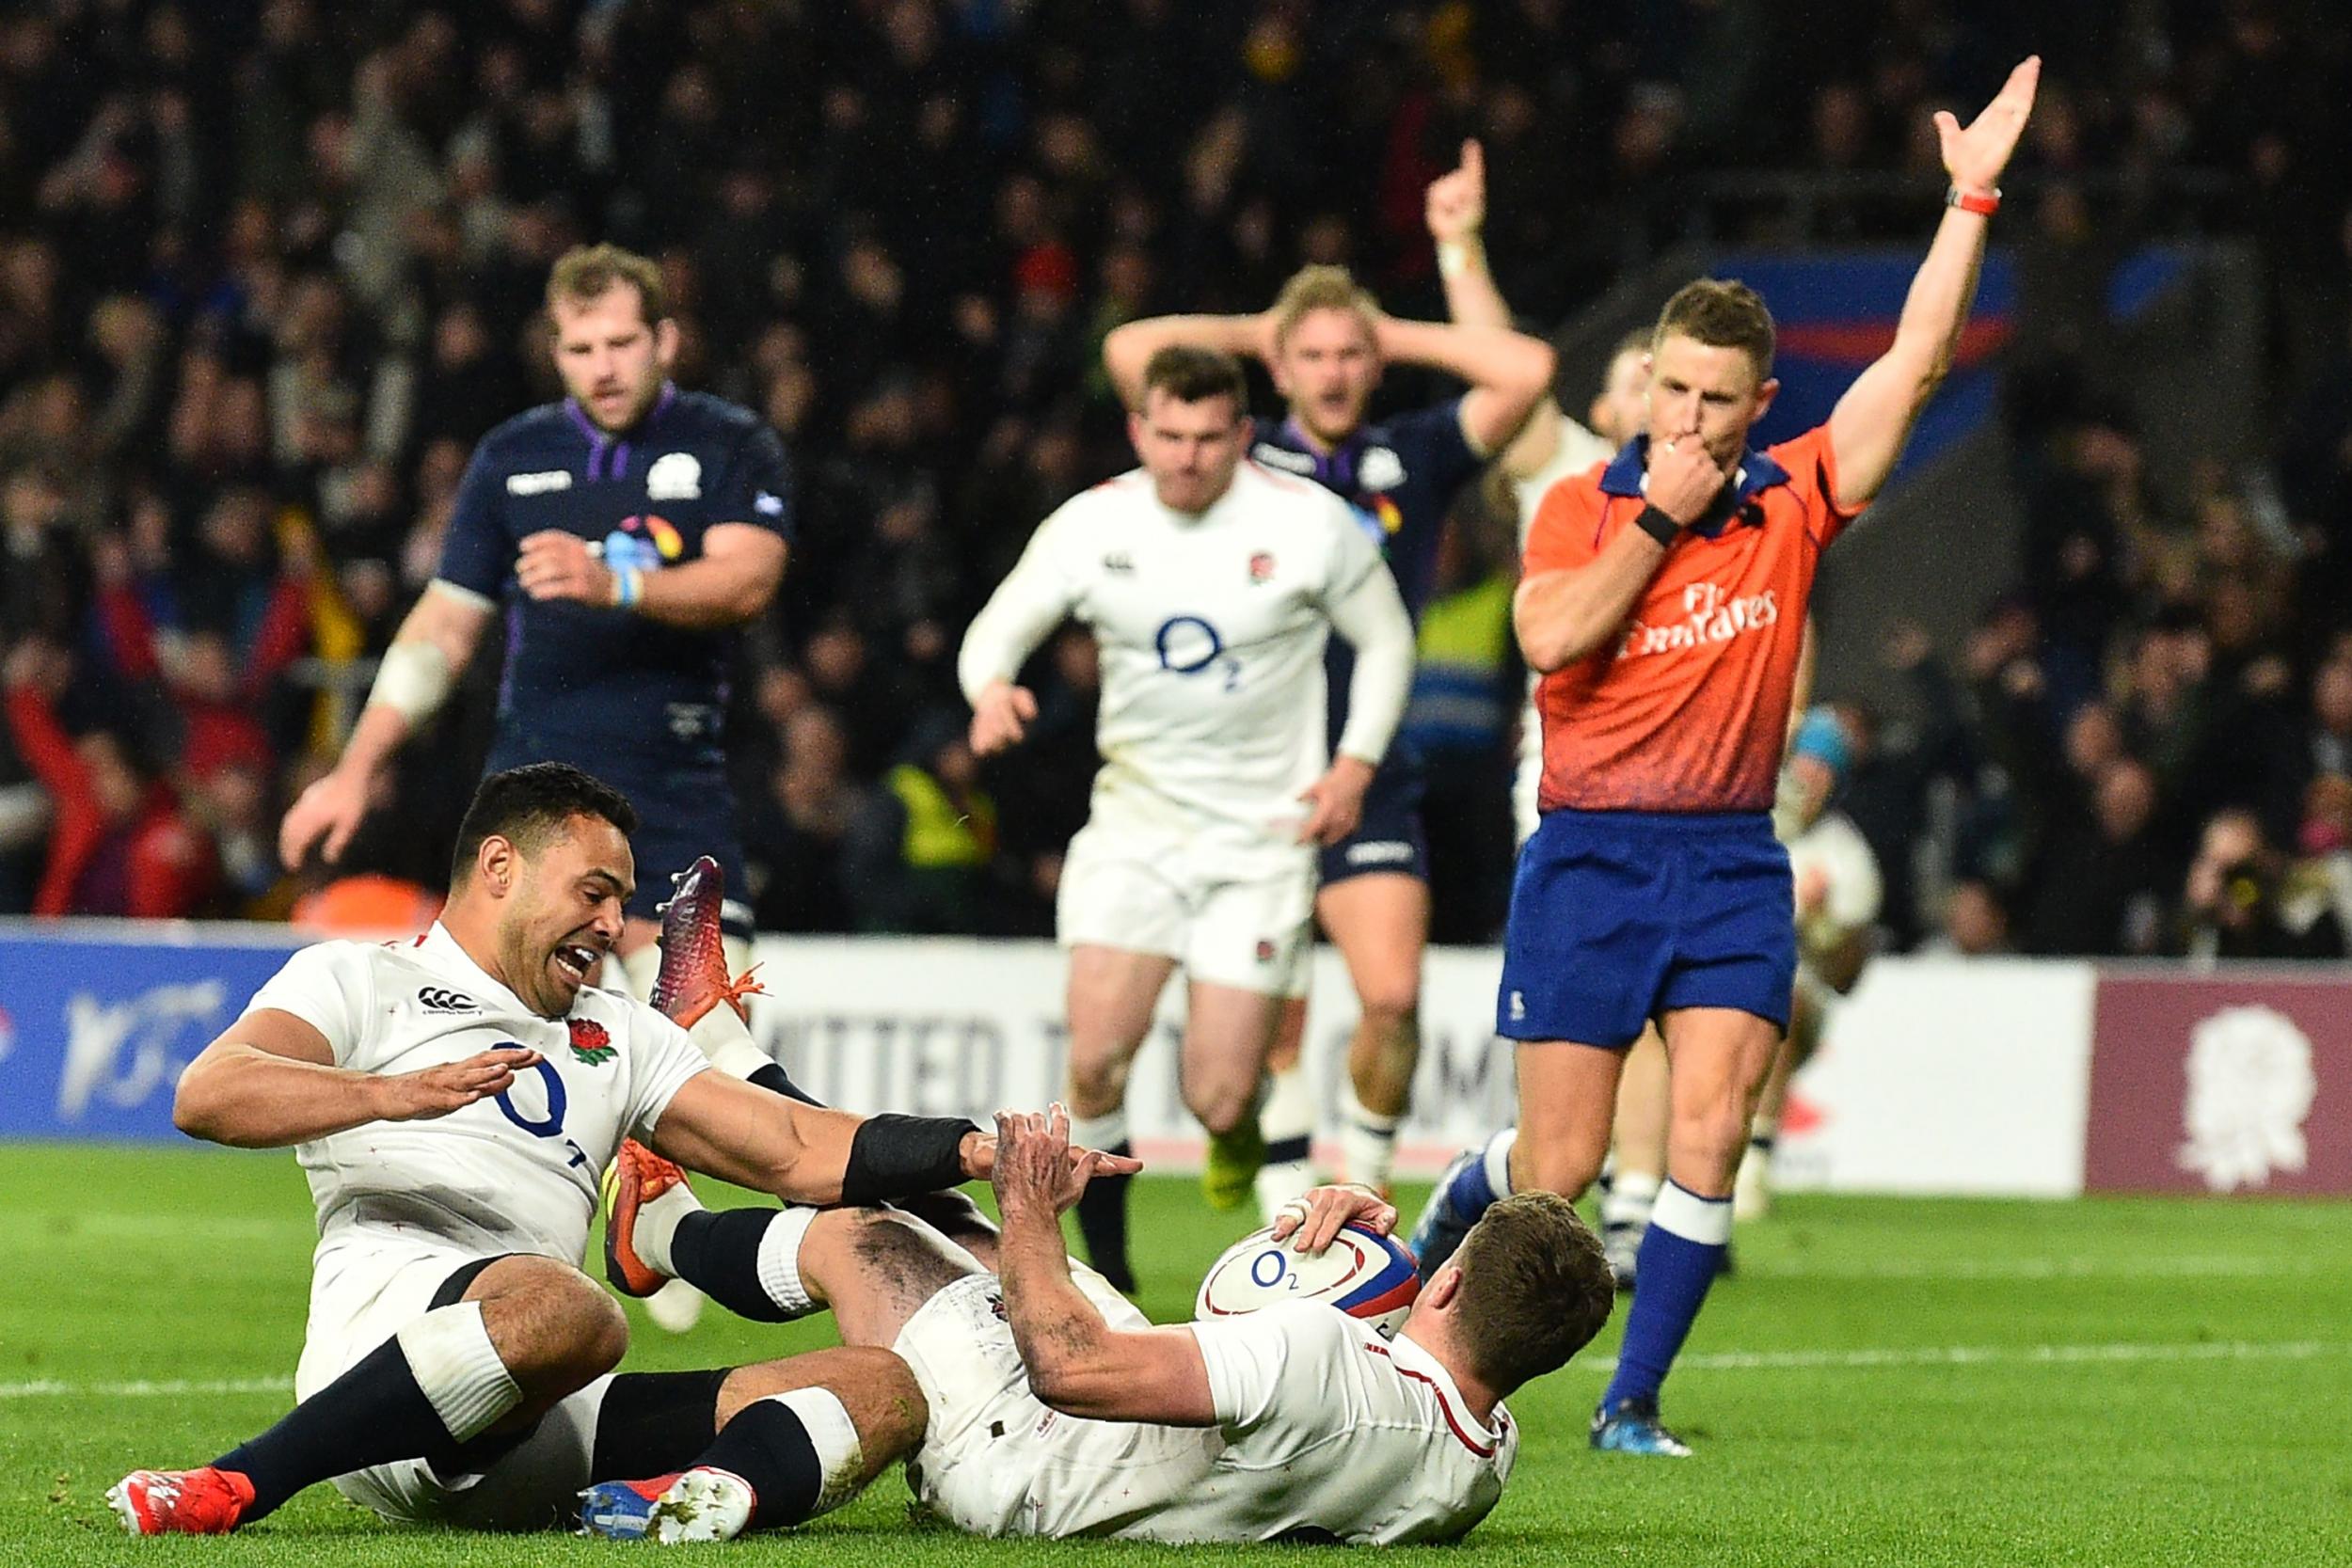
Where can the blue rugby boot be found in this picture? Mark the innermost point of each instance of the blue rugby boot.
(1632, 1426)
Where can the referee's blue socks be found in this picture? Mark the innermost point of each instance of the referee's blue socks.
(1679, 1258)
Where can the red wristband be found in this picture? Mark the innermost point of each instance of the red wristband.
(1983, 203)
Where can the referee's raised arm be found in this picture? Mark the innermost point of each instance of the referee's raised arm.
(1871, 423)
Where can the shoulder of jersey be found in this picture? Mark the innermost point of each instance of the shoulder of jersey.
(1297, 484)
(531, 424)
(717, 413)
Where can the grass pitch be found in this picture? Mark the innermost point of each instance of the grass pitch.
(1884, 1380)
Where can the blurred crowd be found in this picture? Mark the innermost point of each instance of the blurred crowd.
(268, 269)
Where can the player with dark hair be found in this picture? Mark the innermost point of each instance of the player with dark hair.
(1663, 601)
(1326, 343)
(1214, 586)
(626, 532)
(451, 1100)
(1045, 1404)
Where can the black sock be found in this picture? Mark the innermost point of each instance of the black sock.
(717, 1251)
(776, 1081)
(372, 1415)
(1103, 1221)
(766, 1445)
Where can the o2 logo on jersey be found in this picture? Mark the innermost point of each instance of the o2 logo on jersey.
(549, 1125)
(1189, 645)
(642, 544)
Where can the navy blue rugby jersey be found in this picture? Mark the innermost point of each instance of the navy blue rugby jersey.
(583, 680)
(1399, 476)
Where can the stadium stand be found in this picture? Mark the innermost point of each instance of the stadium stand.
(268, 269)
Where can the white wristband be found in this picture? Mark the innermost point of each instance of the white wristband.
(1452, 256)
(412, 681)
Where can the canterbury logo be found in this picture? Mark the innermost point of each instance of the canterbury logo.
(434, 999)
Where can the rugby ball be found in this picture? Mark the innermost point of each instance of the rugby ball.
(1362, 1273)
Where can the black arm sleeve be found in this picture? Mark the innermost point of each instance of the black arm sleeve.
(895, 1156)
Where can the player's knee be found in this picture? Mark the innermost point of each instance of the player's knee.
(1707, 1140)
(1221, 1105)
(1098, 1080)
(1553, 1169)
(558, 1331)
(1391, 1007)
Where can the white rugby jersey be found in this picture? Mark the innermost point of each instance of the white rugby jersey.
(515, 1173)
(1322, 1426)
(1212, 629)
(1577, 449)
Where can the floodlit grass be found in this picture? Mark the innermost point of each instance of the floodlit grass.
(1890, 1382)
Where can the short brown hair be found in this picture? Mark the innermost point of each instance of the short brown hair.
(1535, 1289)
(1321, 287)
(585, 271)
(1191, 375)
(1720, 313)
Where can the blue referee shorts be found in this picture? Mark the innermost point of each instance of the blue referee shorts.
(1617, 916)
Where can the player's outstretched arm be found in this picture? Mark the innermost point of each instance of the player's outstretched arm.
(1372, 619)
(802, 1153)
(1456, 212)
(1871, 423)
(271, 1081)
(1508, 371)
(1126, 350)
(1077, 1363)
(436, 642)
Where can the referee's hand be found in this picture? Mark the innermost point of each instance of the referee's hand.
(1001, 716)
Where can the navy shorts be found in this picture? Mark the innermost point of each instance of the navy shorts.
(684, 809)
(1390, 837)
(1617, 916)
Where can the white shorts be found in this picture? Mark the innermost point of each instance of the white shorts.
(1242, 921)
(362, 1296)
(997, 1460)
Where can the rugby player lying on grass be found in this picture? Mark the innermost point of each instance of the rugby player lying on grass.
(1029, 1398)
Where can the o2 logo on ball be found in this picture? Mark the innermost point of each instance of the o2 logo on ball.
(1367, 1276)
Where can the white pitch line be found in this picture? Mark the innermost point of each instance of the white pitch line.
(2214, 1266)
(1985, 1356)
(1717, 1361)
(145, 1388)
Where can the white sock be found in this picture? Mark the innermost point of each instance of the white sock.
(1368, 1143)
(1684, 1213)
(839, 1454)
(1499, 1161)
(450, 1355)
(1289, 1110)
(657, 1222)
(1628, 1199)
(780, 1259)
(1104, 1133)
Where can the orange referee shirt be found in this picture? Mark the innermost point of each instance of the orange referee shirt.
(1687, 708)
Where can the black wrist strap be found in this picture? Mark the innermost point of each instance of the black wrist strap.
(894, 1156)
(1657, 526)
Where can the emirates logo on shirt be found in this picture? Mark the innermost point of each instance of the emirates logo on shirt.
(1708, 615)
(591, 1045)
